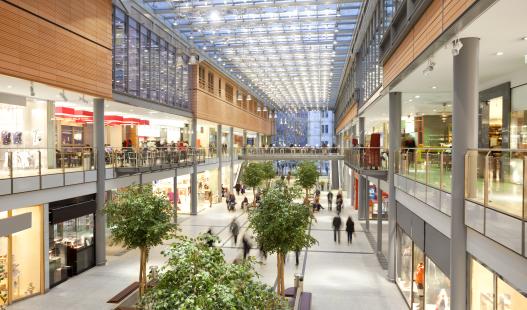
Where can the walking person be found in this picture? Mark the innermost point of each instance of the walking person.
(238, 187)
(210, 239)
(350, 229)
(210, 198)
(235, 230)
(337, 223)
(330, 200)
(246, 247)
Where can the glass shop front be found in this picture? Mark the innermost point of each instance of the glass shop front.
(21, 265)
(422, 283)
(71, 237)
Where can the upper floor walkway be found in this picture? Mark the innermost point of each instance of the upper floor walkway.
(291, 153)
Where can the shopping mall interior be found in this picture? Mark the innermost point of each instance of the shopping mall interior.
(412, 113)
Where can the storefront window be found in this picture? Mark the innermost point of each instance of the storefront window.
(437, 287)
(404, 264)
(509, 298)
(419, 278)
(71, 248)
(482, 287)
(26, 260)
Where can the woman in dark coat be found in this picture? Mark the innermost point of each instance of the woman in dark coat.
(350, 229)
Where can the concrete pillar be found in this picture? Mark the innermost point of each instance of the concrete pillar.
(194, 174)
(220, 158)
(257, 143)
(363, 182)
(334, 174)
(379, 217)
(465, 136)
(394, 147)
(231, 152)
(100, 217)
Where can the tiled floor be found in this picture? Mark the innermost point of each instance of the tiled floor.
(340, 276)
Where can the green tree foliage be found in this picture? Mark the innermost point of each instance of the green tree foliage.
(252, 176)
(268, 172)
(140, 218)
(281, 226)
(196, 276)
(3, 291)
(307, 175)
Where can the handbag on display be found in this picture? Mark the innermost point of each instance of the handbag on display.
(6, 137)
(17, 137)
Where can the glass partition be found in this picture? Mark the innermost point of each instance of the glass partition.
(508, 298)
(437, 287)
(404, 264)
(481, 287)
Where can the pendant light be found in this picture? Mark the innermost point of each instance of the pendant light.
(265, 109)
(239, 96)
(258, 109)
(249, 97)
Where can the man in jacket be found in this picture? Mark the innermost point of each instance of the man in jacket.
(235, 229)
(337, 223)
(330, 200)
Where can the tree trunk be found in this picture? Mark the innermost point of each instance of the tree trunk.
(280, 275)
(307, 193)
(142, 270)
(254, 197)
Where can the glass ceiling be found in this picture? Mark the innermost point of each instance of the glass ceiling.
(292, 52)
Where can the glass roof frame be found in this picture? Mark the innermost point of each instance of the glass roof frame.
(292, 52)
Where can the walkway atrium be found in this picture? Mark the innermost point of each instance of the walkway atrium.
(131, 129)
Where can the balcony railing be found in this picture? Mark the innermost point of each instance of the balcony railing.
(290, 150)
(429, 166)
(367, 158)
(154, 158)
(24, 162)
(495, 189)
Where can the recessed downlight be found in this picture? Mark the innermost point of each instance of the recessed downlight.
(417, 96)
(500, 53)
(434, 87)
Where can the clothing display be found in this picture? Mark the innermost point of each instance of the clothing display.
(6, 137)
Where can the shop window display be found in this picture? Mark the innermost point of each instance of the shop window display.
(71, 248)
(21, 264)
(489, 292)
(509, 298)
(482, 287)
(404, 264)
(437, 287)
(418, 279)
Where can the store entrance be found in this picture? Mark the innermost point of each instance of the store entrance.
(494, 124)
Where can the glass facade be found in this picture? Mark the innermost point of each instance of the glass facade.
(422, 283)
(147, 66)
(71, 248)
(22, 263)
(489, 292)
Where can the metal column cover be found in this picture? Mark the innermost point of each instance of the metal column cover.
(100, 216)
(464, 133)
(395, 144)
(219, 150)
(379, 217)
(194, 174)
(231, 153)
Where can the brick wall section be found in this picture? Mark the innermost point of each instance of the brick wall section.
(435, 20)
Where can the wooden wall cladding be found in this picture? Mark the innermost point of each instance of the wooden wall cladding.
(218, 111)
(91, 19)
(348, 116)
(211, 107)
(36, 49)
(434, 21)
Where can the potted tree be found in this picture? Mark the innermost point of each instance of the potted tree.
(196, 276)
(3, 292)
(307, 176)
(252, 176)
(281, 226)
(140, 218)
(268, 172)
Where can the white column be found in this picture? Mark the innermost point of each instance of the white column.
(464, 137)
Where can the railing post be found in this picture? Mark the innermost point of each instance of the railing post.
(10, 166)
(441, 169)
(524, 204)
(427, 168)
(486, 181)
(40, 169)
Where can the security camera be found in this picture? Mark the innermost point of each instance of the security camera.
(456, 47)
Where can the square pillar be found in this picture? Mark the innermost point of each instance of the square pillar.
(100, 216)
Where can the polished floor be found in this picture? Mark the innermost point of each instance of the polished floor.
(340, 276)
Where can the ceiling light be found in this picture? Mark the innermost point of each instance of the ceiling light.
(524, 38)
(434, 87)
(417, 96)
(500, 53)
